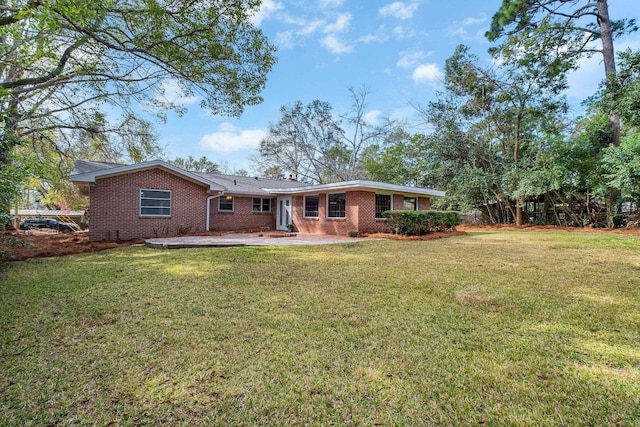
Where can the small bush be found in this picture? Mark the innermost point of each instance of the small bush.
(421, 222)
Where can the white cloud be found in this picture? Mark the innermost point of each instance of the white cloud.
(473, 21)
(290, 38)
(340, 25)
(380, 35)
(293, 20)
(311, 27)
(372, 117)
(229, 138)
(427, 73)
(285, 39)
(267, 8)
(399, 9)
(461, 29)
(327, 4)
(170, 91)
(335, 45)
(402, 33)
(408, 59)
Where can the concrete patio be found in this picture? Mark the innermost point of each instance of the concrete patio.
(248, 239)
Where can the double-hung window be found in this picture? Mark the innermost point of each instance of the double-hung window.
(155, 202)
(225, 204)
(311, 204)
(383, 203)
(410, 204)
(337, 204)
(261, 205)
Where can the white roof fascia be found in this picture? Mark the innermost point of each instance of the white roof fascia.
(90, 177)
(359, 184)
(247, 194)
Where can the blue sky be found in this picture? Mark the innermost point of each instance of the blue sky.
(395, 49)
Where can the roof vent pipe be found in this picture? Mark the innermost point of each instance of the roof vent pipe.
(234, 182)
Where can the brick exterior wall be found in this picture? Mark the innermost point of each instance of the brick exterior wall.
(115, 203)
(360, 214)
(242, 216)
(424, 203)
(322, 224)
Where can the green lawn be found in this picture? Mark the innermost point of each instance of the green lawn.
(505, 328)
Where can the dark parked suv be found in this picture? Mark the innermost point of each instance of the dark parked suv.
(31, 223)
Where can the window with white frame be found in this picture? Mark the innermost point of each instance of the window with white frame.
(225, 204)
(410, 204)
(155, 202)
(337, 204)
(383, 203)
(261, 205)
(311, 204)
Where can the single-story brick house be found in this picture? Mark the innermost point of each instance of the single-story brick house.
(157, 198)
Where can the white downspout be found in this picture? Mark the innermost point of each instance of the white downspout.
(209, 199)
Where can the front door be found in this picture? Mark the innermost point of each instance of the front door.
(283, 213)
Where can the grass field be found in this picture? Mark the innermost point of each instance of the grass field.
(492, 328)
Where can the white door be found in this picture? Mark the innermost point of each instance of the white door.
(283, 213)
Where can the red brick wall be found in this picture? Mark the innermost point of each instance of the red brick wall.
(242, 216)
(424, 203)
(398, 202)
(367, 222)
(322, 224)
(115, 204)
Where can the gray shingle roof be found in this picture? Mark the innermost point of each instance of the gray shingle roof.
(87, 171)
(233, 184)
(84, 166)
(236, 184)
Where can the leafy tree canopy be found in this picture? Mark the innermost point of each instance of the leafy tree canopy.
(567, 29)
(74, 74)
(196, 165)
(313, 145)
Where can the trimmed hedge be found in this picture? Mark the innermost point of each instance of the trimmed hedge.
(420, 222)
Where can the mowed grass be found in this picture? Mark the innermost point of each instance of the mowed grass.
(504, 328)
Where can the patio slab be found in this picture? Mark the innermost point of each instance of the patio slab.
(247, 239)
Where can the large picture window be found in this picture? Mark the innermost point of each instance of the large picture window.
(337, 205)
(311, 204)
(261, 205)
(225, 204)
(155, 202)
(410, 204)
(383, 203)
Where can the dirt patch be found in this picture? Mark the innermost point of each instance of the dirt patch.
(45, 243)
(527, 227)
(476, 298)
(49, 243)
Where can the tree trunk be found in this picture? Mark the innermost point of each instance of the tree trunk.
(609, 58)
(612, 209)
(518, 212)
(608, 53)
